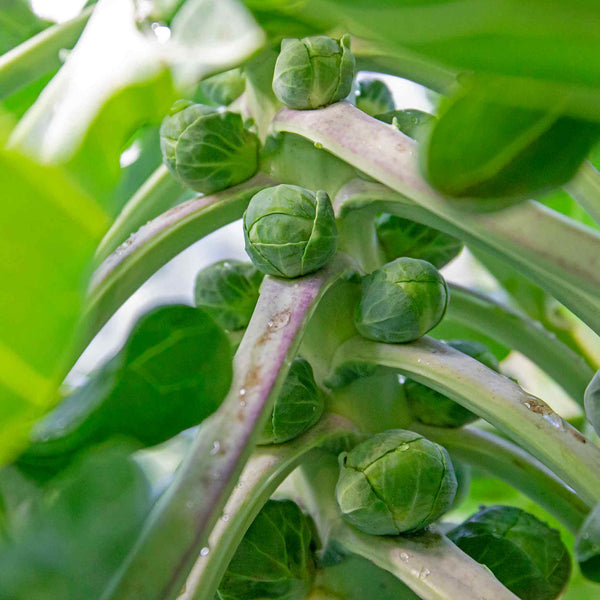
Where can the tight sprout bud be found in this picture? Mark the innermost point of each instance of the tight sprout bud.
(298, 407)
(403, 237)
(431, 407)
(395, 482)
(206, 149)
(289, 231)
(225, 87)
(374, 97)
(525, 554)
(314, 71)
(274, 559)
(401, 301)
(228, 292)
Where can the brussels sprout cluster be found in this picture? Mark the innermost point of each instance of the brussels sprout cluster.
(297, 408)
(524, 554)
(290, 231)
(395, 482)
(433, 408)
(374, 97)
(206, 149)
(313, 72)
(275, 558)
(401, 301)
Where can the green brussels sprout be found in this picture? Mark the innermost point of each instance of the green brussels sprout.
(374, 97)
(289, 231)
(412, 122)
(433, 408)
(592, 402)
(314, 71)
(524, 553)
(228, 292)
(587, 546)
(225, 87)
(206, 149)
(401, 301)
(403, 237)
(274, 559)
(297, 408)
(395, 482)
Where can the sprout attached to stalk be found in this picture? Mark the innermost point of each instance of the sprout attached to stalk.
(224, 88)
(297, 408)
(401, 301)
(314, 71)
(524, 553)
(206, 149)
(433, 408)
(290, 231)
(395, 482)
(374, 97)
(275, 557)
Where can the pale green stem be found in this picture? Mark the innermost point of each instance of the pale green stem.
(585, 190)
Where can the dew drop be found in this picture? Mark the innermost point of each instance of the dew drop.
(424, 573)
(215, 448)
(318, 146)
(225, 517)
(554, 420)
(243, 403)
(403, 447)
(404, 556)
(161, 32)
(204, 551)
(270, 323)
(243, 392)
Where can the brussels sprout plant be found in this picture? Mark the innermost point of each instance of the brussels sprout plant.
(381, 381)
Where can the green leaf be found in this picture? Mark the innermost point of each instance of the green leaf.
(17, 23)
(80, 530)
(483, 148)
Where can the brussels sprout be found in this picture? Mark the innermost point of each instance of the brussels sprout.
(228, 292)
(297, 408)
(592, 402)
(225, 87)
(403, 237)
(374, 97)
(525, 554)
(289, 231)
(587, 546)
(206, 149)
(431, 407)
(412, 122)
(274, 559)
(314, 71)
(395, 482)
(401, 301)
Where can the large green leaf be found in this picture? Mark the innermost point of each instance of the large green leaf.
(17, 23)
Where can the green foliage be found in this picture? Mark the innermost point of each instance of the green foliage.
(172, 373)
(401, 301)
(313, 72)
(80, 530)
(224, 88)
(18, 23)
(289, 231)
(297, 408)
(403, 237)
(432, 408)
(228, 292)
(275, 558)
(205, 149)
(592, 402)
(587, 546)
(374, 97)
(524, 553)
(395, 482)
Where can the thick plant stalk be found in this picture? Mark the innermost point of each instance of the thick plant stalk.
(524, 235)
(182, 520)
(529, 421)
(427, 562)
(266, 469)
(506, 461)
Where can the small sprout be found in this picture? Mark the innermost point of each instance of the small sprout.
(433, 408)
(412, 122)
(206, 149)
(403, 237)
(275, 557)
(289, 231)
(524, 553)
(592, 402)
(587, 546)
(314, 71)
(228, 292)
(401, 301)
(374, 97)
(224, 88)
(297, 408)
(395, 482)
